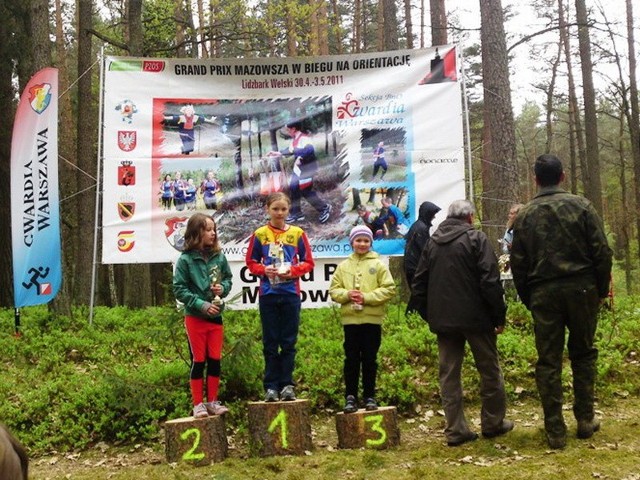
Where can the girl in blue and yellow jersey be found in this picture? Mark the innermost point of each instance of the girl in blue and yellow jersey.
(279, 254)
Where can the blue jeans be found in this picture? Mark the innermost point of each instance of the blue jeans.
(280, 318)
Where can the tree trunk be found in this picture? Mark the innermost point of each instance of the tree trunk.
(292, 31)
(314, 47)
(180, 23)
(134, 20)
(499, 153)
(323, 28)
(7, 98)
(86, 121)
(634, 120)
(575, 124)
(591, 178)
(66, 172)
(201, 31)
(550, 108)
(380, 22)
(390, 25)
(337, 27)
(408, 23)
(357, 26)
(438, 22)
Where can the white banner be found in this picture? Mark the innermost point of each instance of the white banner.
(186, 135)
(35, 217)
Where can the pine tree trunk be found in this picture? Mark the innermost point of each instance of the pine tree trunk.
(591, 178)
(500, 187)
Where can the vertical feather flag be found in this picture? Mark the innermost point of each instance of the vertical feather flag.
(35, 212)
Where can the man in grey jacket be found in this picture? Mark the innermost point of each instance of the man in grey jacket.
(457, 290)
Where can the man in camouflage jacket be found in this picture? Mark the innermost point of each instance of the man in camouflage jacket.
(561, 266)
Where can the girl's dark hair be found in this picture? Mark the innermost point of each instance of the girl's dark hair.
(195, 227)
(275, 196)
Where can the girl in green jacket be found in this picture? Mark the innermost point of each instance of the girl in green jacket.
(363, 285)
(202, 277)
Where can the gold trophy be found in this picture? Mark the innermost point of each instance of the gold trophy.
(214, 276)
(283, 268)
(356, 286)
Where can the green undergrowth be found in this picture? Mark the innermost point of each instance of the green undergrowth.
(68, 385)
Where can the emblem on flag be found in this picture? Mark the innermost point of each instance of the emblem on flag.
(127, 140)
(126, 210)
(40, 97)
(126, 240)
(126, 173)
(175, 228)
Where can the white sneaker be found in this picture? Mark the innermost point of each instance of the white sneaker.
(324, 215)
(200, 411)
(216, 408)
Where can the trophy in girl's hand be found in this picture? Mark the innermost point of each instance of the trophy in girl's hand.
(214, 276)
(356, 286)
(283, 267)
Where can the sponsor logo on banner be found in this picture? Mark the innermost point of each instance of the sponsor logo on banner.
(127, 140)
(152, 66)
(126, 240)
(40, 97)
(127, 109)
(126, 173)
(126, 210)
(175, 228)
(348, 108)
(36, 275)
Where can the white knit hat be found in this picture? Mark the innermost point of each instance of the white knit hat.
(360, 231)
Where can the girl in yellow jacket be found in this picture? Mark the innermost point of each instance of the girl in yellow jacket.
(362, 284)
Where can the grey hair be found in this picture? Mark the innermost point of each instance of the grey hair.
(461, 209)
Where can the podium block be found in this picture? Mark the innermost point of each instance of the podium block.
(198, 442)
(280, 428)
(376, 429)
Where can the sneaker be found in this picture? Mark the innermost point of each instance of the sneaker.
(586, 429)
(287, 394)
(324, 214)
(351, 405)
(295, 217)
(507, 426)
(200, 411)
(271, 396)
(216, 408)
(370, 404)
(470, 437)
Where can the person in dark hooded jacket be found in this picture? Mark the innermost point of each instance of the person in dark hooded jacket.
(457, 290)
(417, 238)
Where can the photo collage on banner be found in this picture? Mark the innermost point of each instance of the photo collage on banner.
(381, 134)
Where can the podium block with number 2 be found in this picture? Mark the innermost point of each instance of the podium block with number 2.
(197, 442)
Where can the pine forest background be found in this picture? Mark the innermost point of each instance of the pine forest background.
(582, 65)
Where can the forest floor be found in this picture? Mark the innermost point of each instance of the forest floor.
(612, 453)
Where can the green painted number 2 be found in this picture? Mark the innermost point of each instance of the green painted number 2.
(281, 420)
(376, 421)
(190, 454)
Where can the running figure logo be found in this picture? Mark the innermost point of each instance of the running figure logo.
(38, 274)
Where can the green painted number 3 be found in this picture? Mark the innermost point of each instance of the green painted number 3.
(280, 419)
(190, 454)
(376, 421)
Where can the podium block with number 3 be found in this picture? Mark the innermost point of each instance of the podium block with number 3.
(369, 429)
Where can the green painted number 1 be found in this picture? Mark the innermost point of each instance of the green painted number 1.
(190, 454)
(376, 421)
(280, 419)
